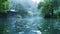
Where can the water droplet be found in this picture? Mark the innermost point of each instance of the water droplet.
(45, 30)
(7, 31)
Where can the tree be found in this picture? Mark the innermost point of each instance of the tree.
(3, 6)
(20, 10)
(48, 6)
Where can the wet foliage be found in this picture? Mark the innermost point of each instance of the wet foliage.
(49, 8)
(3, 6)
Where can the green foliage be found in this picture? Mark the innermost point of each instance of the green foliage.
(48, 7)
(3, 6)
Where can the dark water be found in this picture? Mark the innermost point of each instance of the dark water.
(28, 25)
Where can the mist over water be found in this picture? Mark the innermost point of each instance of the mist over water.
(30, 23)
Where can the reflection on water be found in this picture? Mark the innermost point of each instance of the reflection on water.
(50, 26)
(26, 26)
(29, 25)
(23, 26)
